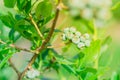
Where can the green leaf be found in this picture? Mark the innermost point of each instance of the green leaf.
(26, 30)
(69, 68)
(8, 20)
(22, 4)
(116, 9)
(11, 34)
(44, 9)
(87, 69)
(89, 25)
(27, 9)
(5, 60)
(9, 3)
(116, 6)
(115, 76)
(107, 40)
(92, 52)
(4, 51)
(60, 59)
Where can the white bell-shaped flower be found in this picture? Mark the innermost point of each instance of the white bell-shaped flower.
(72, 29)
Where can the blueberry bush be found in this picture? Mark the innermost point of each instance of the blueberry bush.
(59, 40)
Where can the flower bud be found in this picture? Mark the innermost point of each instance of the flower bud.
(82, 39)
(72, 29)
(80, 44)
(87, 43)
(87, 36)
(77, 33)
(76, 39)
(63, 37)
(69, 35)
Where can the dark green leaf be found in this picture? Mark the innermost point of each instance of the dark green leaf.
(4, 51)
(21, 4)
(11, 34)
(28, 6)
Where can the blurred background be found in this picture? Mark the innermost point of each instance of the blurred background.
(78, 13)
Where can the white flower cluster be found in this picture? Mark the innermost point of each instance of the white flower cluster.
(89, 9)
(76, 37)
(32, 73)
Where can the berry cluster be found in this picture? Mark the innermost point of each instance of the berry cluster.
(76, 37)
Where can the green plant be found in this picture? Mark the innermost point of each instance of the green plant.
(31, 19)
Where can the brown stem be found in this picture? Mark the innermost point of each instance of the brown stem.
(13, 66)
(43, 44)
(28, 66)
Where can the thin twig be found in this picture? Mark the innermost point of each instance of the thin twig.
(43, 44)
(16, 47)
(13, 66)
(36, 27)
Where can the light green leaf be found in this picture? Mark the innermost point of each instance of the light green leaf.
(107, 40)
(92, 52)
(44, 9)
(116, 6)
